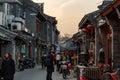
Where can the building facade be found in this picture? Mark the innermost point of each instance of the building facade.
(31, 31)
(105, 35)
(110, 33)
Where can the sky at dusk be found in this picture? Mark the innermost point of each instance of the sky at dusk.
(69, 12)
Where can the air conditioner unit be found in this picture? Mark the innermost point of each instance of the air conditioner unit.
(9, 19)
(16, 26)
(2, 19)
(18, 19)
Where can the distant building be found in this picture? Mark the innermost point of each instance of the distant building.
(52, 32)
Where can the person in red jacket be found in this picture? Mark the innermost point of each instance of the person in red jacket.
(114, 76)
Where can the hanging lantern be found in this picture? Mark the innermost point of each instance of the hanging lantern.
(67, 52)
(85, 30)
(90, 27)
(83, 78)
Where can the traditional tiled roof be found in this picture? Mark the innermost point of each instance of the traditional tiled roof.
(78, 34)
(41, 17)
(26, 3)
(31, 4)
(89, 18)
(51, 19)
(10, 1)
(110, 7)
(105, 4)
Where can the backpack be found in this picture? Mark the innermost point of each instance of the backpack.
(48, 61)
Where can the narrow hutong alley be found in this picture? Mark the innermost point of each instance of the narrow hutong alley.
(38, 74)
(59, 40)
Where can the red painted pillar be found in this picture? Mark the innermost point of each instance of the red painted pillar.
(107, 48)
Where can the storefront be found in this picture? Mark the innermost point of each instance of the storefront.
(89, 44)
(111, 15)
(7, 43)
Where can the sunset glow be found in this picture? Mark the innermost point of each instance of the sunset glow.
(69, 12)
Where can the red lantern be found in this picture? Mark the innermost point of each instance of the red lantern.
(85, 30)
(67, 52)
(83, 78)
(90, 27)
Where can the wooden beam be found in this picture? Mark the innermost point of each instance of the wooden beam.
(107, 20)
(118, 12)
(110, 8)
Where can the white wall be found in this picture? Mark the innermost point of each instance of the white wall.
(2, 19)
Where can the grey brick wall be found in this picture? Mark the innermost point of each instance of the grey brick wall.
(116, 49)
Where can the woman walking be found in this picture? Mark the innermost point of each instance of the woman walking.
(8, 67)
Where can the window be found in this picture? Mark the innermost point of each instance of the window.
(14, 27)
(9, 26)
(1, 7)
(11, 9)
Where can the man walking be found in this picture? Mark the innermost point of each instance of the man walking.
(50, 66)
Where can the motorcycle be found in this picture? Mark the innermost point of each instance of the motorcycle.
(29, 63)
(21, 66)
(64, 69)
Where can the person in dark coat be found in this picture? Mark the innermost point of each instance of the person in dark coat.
(8, 67)
(43, 61)
(50, 68)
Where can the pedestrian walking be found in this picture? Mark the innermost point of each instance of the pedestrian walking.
(8, 67)
(58, 58)
(20, 65)
(50, 66)
(43, 61)
(101, 56)
(54, 57)
(63, 56)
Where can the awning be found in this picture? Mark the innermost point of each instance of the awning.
(7, 34)
(4, 38)
(72, 48)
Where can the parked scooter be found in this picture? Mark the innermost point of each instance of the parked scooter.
(31, 63)
(28, 63)
(21, 65)
(64, 69)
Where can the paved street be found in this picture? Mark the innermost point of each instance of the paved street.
(38, 74)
